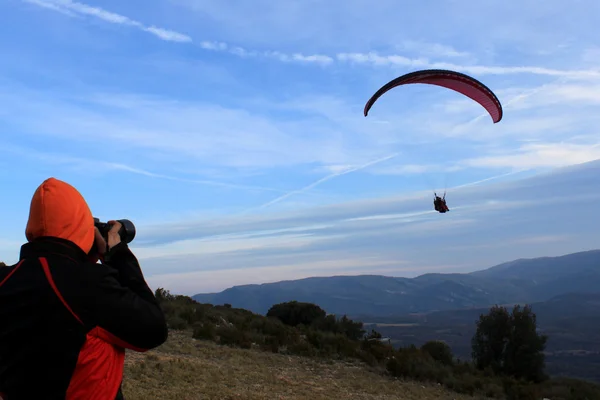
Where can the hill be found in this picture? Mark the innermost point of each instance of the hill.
(225, 353)
(519, 281)
(185, 368)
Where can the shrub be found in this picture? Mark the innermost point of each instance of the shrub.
(330, 344)
(439, 351)
(270, 344)
(376, 350)
(231, 336)
(294, 313)
(205, 331)
(188, 314)
(302, 348)
(177, 323)
(413, 363)
(517, 390)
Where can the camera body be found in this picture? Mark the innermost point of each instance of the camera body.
(127, 231)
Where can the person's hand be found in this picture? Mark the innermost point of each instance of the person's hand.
(100, 242)
(113, 235)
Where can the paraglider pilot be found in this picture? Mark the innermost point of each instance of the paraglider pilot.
(439, 203)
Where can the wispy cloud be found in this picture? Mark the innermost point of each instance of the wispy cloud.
(376, 59)
(534, 155)
(51, 6)
(433, 49)
(72, 7)
(89, 164)
(165, 34)
(277, 55)
(369, 58)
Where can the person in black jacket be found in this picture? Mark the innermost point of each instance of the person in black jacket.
(66, 320)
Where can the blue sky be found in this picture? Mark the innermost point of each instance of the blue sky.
(232, 132)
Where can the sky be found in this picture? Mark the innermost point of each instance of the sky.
(232, 133)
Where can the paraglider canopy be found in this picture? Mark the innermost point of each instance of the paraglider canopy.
(453, 80)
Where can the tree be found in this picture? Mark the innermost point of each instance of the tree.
(509, 343)
(489, 342)
(163, 295)
(294, 313)
(352, 330)
(524, 352)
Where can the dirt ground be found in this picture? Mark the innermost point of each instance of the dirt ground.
(186, 369)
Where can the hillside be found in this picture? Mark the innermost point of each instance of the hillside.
(318, 356)
(185, 368)
(519, 281)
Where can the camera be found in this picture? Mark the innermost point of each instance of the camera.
(127, 231)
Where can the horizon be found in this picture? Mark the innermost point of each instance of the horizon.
(239, 149)
(392, 276)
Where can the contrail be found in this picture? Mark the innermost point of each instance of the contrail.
(54, 158)
(517, 98)
(196, 181)
(492, 178)
(326, 178)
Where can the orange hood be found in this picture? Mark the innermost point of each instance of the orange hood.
(59, 210)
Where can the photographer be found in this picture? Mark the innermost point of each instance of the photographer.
(65, 320)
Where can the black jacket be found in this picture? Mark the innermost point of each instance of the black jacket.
(65, 322)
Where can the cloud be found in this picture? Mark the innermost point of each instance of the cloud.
(394, 235)
(407, 208)
(248, 142)
(276, 55)
(229, 137)
(90, 166)
(378, 60)
(369, 58)
(433, 49)
(373, 58)
(193, 282)
(539, 155)
(408, 169)
(364, 24)
(51, 6)
(72, 7)
(170, 36)
(214, 104)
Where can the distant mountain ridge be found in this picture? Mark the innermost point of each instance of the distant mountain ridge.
(519, 281)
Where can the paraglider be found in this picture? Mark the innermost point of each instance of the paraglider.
(453, 80)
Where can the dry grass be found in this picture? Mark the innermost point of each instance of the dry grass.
(185, 369)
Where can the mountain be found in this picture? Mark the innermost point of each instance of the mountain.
(518, 281)
(550, 276)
